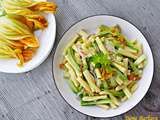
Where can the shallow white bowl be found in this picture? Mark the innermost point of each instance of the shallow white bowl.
(90, 24)
(46, 38)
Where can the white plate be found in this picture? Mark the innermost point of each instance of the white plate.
(46, 38)
(90, 24)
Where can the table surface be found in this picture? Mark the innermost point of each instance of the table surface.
(33, 95)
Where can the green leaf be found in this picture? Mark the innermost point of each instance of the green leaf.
(100, 58)
(98, 65)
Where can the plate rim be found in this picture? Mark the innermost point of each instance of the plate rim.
(53, 58)
(44, 58)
